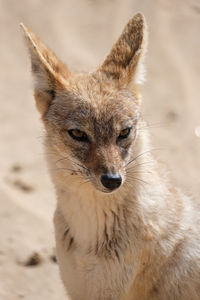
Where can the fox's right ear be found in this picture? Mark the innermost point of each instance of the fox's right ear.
(48, 71)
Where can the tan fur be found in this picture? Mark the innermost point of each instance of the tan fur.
(141, 241)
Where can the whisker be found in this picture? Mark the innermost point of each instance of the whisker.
(139, 179)
(74, 162)
(67, 169)
(61, 159)
(132, 167)
(139, 155)
(44, 136)
(130, 183)
(47, 153)
(84, 182)
(82, 166)
(152, 125)
(139, 172)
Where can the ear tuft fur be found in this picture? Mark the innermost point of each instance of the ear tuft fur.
(125, 59)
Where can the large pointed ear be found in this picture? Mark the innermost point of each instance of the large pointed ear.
(48, 71)
(124, 63)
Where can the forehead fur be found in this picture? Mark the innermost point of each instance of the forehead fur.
(87, 99)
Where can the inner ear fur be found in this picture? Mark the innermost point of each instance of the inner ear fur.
(125, 59)
(48, 71)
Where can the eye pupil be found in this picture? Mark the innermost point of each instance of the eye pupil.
(78, 135)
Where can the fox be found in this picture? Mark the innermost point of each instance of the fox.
(122, 230)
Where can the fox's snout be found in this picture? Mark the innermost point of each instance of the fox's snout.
(106, 168)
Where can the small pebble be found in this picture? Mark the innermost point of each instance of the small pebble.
(16, 168)
(172, 115)
(23, 186)
(34, 260)
(53, 258)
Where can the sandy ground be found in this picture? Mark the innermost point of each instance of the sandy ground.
(81, 32)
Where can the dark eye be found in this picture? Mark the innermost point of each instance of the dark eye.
(124, 133)
(78, 135)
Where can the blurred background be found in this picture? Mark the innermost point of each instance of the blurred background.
(81, 33)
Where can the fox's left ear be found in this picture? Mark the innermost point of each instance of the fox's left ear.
(124, 63)
(48, 71)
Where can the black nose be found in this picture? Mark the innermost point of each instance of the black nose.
(111, 181)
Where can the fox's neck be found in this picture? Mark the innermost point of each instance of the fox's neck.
(94, 217)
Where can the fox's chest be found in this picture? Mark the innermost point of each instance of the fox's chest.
(91, 276)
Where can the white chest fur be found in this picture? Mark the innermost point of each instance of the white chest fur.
(95, 253)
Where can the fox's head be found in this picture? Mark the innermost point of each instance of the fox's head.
(91, 119)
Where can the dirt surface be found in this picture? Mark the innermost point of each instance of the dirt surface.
(81, 33)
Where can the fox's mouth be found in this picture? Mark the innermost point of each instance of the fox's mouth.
(108, 191)
(105, 191)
